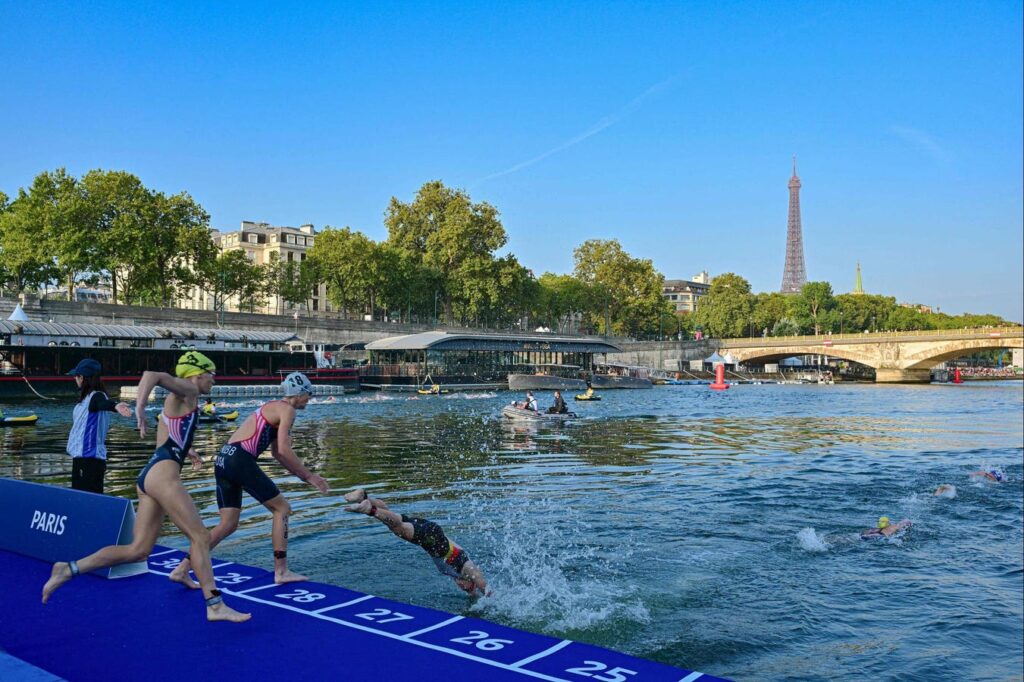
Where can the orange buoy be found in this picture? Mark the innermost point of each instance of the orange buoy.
(719, 383)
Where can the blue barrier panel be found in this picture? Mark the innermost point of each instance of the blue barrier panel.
(59, 524)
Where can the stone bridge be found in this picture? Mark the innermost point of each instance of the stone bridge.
(895, 356)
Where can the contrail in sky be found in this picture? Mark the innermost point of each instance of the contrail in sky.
(605, 122)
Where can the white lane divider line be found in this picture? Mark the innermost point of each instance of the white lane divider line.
(348, 603)
(401, 638)
(434, 627)
(166, 551)
(547, 652)
(254, 589)
(226, 563)
(692, 676)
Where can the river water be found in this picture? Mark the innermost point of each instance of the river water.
(714, 531)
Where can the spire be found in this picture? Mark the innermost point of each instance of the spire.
(794, 165)
(858, 287)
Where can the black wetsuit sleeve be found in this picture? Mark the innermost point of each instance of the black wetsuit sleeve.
(101, 403)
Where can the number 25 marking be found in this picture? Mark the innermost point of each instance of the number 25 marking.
(591, 667)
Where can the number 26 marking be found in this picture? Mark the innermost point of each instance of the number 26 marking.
(479, 639)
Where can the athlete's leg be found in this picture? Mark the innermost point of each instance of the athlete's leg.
(168, 490)
(225, 526)
(379, 510)
(144, 534)
(281, 510)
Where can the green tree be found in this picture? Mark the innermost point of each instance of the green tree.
(863, 312)
(228, 275)
(55, 213)
(25, 261)
(345, 261)
(452, 236)
(906, 319)
(726, 310)
(768, 309)
(812, 305)
(626, 289)
(786, 326)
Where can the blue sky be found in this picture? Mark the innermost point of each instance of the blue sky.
(667, 126)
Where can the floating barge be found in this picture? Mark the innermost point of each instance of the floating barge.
(36, 356)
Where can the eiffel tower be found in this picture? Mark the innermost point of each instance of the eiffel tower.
(795, 275)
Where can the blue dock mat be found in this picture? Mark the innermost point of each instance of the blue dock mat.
(146, 627)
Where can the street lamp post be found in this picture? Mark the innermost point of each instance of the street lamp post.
(840, 322)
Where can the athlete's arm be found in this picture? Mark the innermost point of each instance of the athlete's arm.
(179, 387)
(282, 451)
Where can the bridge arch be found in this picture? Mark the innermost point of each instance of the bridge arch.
(763, 355)
(926, 359)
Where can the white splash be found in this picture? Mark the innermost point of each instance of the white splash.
(812, 542)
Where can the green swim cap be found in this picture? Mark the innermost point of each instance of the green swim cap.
(194, 363)
(883, 521)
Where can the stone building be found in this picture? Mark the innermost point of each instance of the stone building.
(685, 293)
(262, 243)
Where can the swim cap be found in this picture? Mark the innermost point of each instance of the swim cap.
(883, 521)
(194, 363)
(997, 474)
(296, 383)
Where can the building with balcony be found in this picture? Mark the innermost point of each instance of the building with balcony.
(684, 294)
(263, 243)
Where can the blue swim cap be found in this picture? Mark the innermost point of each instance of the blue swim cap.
(996, 474)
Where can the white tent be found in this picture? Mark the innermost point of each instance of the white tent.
(715, 359)
(18, 314)
(730, 359)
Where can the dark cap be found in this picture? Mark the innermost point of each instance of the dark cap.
(87, 368)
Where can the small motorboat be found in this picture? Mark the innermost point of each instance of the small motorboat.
(591, 397)
(27, 420)
(523, 414)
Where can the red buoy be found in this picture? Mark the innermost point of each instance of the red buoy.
(956, 376)
(719, 383)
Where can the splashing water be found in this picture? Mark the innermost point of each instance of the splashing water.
(550, 577)
(811, 541)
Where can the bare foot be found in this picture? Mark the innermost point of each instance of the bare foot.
(363, 507)
(357, 495)
(224, 612)
(60, 574)
(288, 577)
(180, 575)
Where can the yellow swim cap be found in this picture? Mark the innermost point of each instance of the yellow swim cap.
(194, 363)
(883, 521)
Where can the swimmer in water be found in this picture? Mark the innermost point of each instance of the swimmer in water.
(236, 470)
(884, 528)
(450, 559)
(994, 475)
(947, 490)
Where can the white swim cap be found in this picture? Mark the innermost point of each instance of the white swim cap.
(296, 383)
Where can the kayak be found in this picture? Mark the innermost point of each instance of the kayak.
(19, 421)
(584, 396)
(218, 418)
(522, 414)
